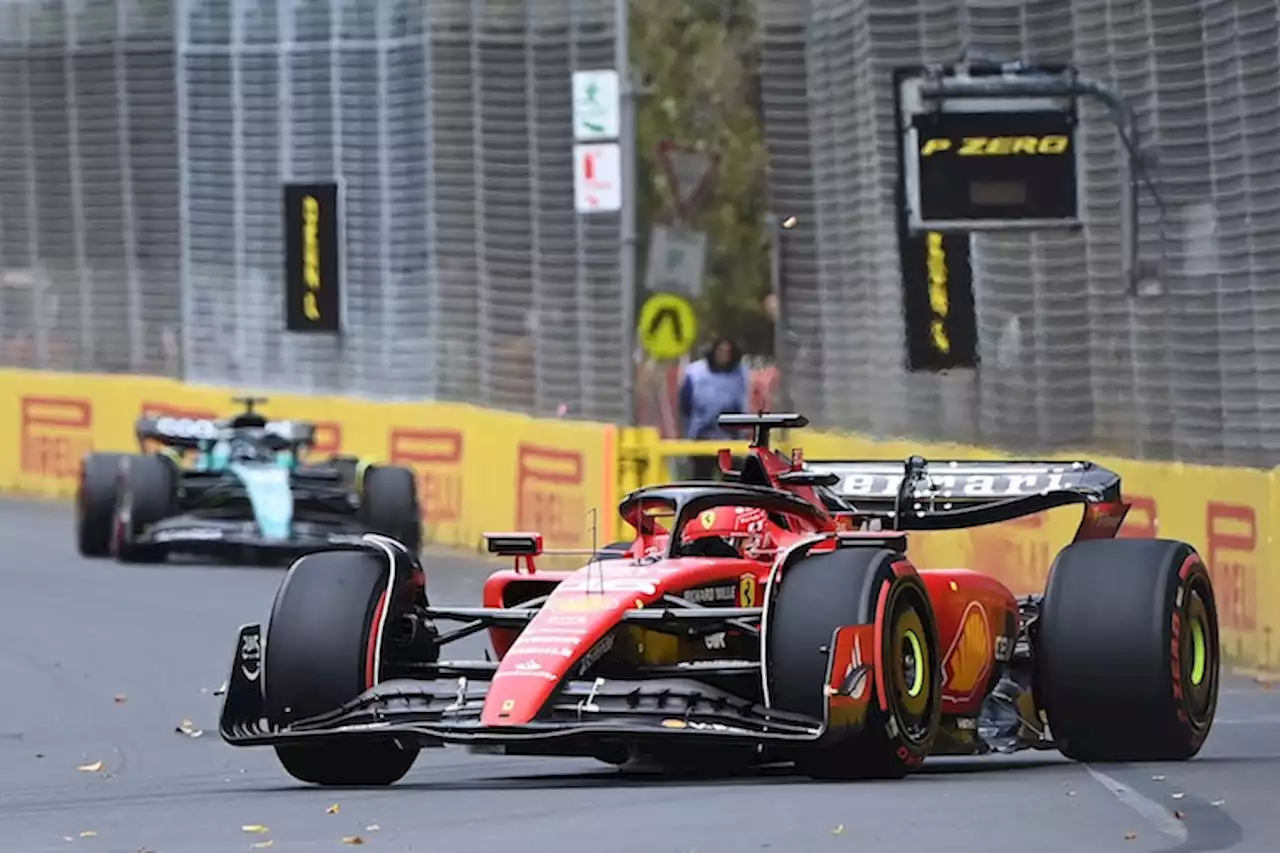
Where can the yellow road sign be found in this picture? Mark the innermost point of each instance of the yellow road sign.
(668, 326)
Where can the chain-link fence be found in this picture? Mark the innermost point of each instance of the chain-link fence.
(143, 148)
(468, 275)
(89, 241)
(143, 145)
(1067, 360)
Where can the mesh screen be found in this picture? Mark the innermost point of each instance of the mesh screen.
(1068, 360)
(142, 151)
(89, 242)
(468, 275)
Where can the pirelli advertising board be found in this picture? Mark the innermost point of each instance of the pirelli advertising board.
(997, 166)
(313, 286)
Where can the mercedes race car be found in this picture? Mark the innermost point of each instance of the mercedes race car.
(241, 487)
(776, 617)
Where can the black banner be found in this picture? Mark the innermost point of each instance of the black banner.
(313, 289)
(937, 301)
(1002, 166)
(937, 285)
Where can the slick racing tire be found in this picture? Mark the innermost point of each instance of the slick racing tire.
(319, 654)
(1127, 651)
(389, 504)
(147, 492)
(850, 586)
(96, 503)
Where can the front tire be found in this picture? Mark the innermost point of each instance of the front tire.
(389, 504)
(1128, 653)
(319, 656)
(147, 493)
(96, 503)
(823, 592)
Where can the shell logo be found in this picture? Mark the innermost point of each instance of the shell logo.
(969, 659)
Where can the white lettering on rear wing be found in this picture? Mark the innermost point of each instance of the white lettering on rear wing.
(950, 480)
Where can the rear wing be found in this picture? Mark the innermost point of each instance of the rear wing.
(192, 433)
(922, 494)
(184, 433)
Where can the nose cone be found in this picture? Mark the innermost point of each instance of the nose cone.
(579, 614)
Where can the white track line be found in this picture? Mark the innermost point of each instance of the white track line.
(1154, 813)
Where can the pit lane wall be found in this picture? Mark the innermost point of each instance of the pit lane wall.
(477, 469)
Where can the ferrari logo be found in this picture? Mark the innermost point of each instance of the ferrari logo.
(747, 591)
(708, 519)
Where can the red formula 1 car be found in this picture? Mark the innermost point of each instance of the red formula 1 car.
(775, 617)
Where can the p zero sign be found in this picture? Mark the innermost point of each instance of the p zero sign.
(997, 166)
(313, 286)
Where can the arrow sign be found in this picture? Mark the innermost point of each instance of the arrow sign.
(667, 315)
(668, 326)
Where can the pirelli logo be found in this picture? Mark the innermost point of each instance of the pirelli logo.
(997, 146)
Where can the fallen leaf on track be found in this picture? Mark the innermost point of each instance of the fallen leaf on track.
(352, 839)
(373, 827)
(333, 809)
(254, 827)
(1129, 836)
(188, 728)
(90, 768)
(121, 698)
(838, 830)
(88, 833)
(260, 845)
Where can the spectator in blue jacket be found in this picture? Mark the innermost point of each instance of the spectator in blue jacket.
(716, 384)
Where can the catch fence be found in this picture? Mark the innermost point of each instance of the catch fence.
(143, 145)
(1067, 359)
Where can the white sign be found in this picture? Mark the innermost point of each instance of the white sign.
(597, 112)
(677, 259)
(597, 177)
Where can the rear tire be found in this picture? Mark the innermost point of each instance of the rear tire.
(147, 493)
(317, 658)
(823, 592)
(390, 504)
(1127, 647)
(96, 503)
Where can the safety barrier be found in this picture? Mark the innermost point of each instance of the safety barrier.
(477, 469)
(480, 469)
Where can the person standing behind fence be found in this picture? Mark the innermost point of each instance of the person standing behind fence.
(713, 385)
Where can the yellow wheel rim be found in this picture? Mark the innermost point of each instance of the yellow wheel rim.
(1199, 652)
(909, 663)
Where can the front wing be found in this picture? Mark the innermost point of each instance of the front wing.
(190, 533)
(446, 710)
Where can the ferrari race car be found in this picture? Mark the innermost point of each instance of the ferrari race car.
(241, 487)
(774, 617)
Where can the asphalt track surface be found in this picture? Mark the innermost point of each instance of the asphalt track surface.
(101, 663)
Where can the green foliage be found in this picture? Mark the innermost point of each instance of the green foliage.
(699, 62)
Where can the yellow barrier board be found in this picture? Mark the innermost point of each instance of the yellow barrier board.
(477, 469)
(486, 470)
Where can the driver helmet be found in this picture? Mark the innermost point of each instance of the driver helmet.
(744, 529)
(246, 449)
